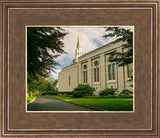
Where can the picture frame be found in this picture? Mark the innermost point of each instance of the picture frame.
(17, 14)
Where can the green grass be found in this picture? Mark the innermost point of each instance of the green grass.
(108, 104)
(30, 98)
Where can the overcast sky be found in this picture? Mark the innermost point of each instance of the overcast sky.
(90, 38)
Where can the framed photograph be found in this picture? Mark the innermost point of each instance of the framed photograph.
(79, 68)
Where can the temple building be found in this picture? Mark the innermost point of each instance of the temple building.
(93, 68)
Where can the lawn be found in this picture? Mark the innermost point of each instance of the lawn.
(108, 104)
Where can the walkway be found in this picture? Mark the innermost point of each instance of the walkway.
(47, 103)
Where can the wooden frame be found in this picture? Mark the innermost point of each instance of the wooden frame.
(16, 14)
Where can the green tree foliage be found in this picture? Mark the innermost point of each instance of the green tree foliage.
(44, 44)
(83, 90)
(42, 85)
(125, 35)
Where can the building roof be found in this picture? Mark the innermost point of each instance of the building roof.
(116, 41)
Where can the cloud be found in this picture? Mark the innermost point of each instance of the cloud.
(90, 38)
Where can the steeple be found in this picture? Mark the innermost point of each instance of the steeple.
(78, 46)
(78, 50)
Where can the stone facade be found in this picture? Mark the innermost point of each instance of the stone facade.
(94, 69)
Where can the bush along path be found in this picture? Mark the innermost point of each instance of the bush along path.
(30, 99)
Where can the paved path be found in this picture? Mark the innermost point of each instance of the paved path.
(47, 103)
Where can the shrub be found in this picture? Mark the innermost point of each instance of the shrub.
(83, 90)
(50, 93)
(107, 92)
(126, 92)
(65, 93)
(36, 92)
(78, 94)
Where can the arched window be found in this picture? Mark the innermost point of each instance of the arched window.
(112, 71)
(85, 77)
(96, 71)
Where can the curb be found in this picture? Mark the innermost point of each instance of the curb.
(81, 105)
(32, 100)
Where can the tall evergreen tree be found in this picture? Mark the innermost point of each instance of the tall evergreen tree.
(125, 35)
(44, 44)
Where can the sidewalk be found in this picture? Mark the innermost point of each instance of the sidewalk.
(47, 103)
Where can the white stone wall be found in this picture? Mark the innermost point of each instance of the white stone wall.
(63, 78)
(100, 55)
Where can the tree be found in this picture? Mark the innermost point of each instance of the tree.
(36, 86)
(44, 44)
(125, 35)
(52, 84)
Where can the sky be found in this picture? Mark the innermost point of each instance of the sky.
(90, 38)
